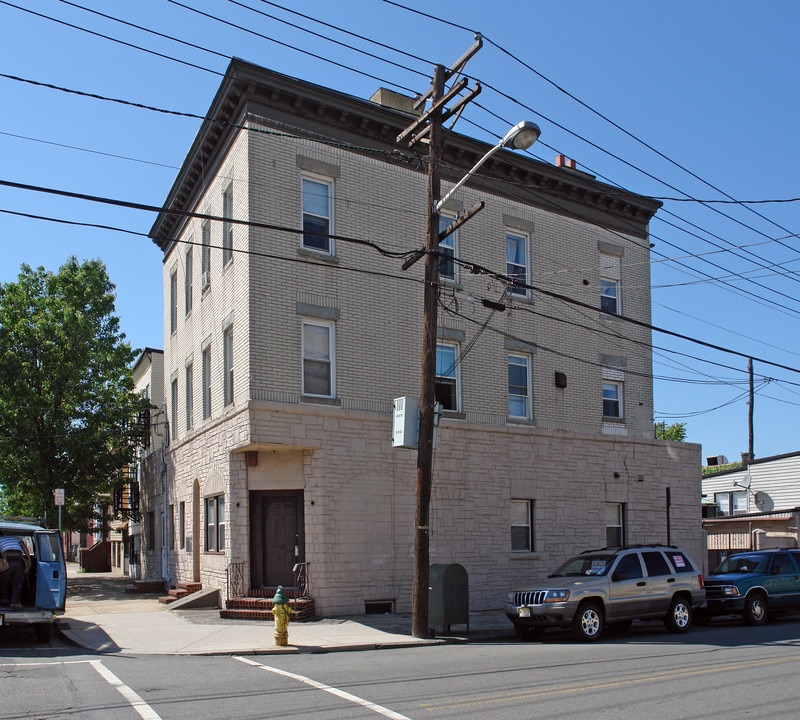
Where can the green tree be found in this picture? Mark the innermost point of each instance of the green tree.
(67, 406)
(676, 431)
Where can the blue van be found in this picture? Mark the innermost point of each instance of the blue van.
(44, 590)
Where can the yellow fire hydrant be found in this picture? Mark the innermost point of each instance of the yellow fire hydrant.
(281, 612)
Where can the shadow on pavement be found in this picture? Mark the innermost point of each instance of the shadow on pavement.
(104, 643)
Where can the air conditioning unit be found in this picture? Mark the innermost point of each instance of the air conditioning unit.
(205, 280)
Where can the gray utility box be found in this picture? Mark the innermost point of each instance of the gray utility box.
(448, 599)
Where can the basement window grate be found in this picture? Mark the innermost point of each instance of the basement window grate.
(378, 607)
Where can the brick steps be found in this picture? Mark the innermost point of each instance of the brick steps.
(260, 608)
(184, 588)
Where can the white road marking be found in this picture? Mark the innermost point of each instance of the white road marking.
(44, 664)
(141, 707)
(327, 688)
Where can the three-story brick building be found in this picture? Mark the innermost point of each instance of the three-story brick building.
(290, 328)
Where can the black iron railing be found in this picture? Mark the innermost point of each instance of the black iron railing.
(235, 583)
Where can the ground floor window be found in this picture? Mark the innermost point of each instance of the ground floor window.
(182, 523)
(615, 524)
(521, 525)
(215, 523)
(150, 529)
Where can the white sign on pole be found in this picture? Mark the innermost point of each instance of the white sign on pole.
(59, 496)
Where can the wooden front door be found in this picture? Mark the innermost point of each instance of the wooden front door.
(277, 539)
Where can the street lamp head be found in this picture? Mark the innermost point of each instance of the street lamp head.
(521, 136)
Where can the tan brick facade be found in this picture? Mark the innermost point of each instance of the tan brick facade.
(357, 491)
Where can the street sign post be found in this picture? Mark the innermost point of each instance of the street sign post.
(59, 503)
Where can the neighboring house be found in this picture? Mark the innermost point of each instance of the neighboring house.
(287, 338)
(753, 507)
(146, 552)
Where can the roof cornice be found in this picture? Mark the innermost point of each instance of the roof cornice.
(305, 109)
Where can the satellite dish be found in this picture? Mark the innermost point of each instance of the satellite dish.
(764, 502)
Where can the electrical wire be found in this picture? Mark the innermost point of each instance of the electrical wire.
(15, 6)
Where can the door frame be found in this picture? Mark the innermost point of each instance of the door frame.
(257, 557)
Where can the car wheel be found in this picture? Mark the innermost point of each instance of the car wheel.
(527, 632)
(679, 616)
(755, 609)
(587, 625)
(44, 632)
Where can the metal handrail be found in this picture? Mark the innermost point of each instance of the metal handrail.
(301, 584)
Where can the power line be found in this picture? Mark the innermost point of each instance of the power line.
(202, 216)
(592, 110)
(111, 39)
(8, 3)
(245, 29)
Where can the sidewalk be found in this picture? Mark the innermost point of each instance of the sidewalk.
(100, 616)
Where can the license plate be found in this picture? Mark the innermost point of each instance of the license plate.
(524, 612)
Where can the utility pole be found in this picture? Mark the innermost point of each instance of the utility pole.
(750, 410)
(419, 619)
(429, 127)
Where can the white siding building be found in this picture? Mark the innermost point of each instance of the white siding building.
(754, 507)
(290, 328)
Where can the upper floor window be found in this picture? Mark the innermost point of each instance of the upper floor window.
(317, 214)
(519, 396)
(188, 294)
(227, 225)
(207, 382)
(448, 250)
(612, 399)
(227, 343)
(447, 391)
(205, 255)
(318, 358)
(609, 284)
(173, 302)
(189, 396)
(731, 503)
(173, 425)
(517, 262)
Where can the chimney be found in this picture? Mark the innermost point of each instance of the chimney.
(395, 101)
(564, 161)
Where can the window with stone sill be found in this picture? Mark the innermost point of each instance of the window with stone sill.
(521, 526)
(317, 193)
(215, 523)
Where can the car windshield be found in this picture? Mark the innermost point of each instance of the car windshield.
(738, 564)
(585, 565)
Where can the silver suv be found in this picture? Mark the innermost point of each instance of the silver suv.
(611, 588)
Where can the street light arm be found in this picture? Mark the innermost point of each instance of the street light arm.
(466, 177)
(519, 137)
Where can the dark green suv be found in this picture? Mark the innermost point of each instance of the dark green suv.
(754, 584)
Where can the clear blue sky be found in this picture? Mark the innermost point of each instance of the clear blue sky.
(704, 97)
